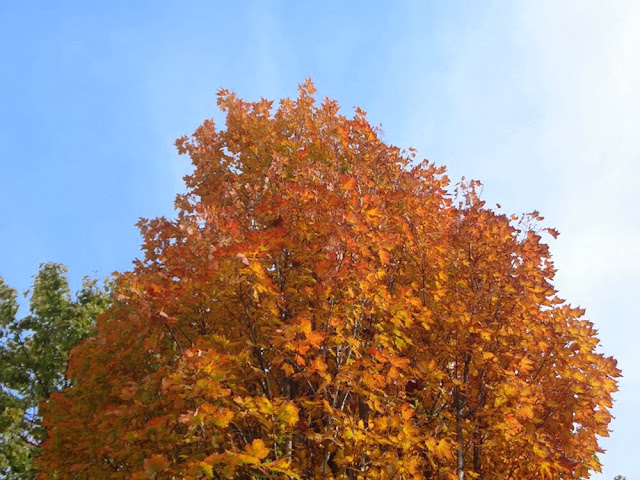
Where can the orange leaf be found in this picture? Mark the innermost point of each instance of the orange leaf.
(384, 255)
(156, 463)
(553, 232)
(257, 449)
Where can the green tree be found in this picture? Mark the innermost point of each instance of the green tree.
(33, 358)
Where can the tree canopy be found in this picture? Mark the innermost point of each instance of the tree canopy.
(325, 306)
(33, 358)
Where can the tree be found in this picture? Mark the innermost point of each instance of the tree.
(33, 358)
(322, 307)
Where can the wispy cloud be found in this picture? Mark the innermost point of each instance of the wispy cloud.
(541, 101)
(588, 66)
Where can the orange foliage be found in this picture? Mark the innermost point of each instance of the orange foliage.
(321, 307)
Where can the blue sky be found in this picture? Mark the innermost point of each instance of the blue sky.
(539, 100)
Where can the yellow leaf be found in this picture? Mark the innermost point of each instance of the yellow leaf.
(406, 411)
(257, 449)
(305, 325)
(430, 443)
(443, 450)
(223, 418)
(525, 412)
(545, 470)
(540, 451)
(488, 355)
(289, 414)
(264, 405)
(206, 469)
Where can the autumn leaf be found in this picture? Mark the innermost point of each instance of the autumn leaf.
(154, 464)
(289, 414)
(257, 449)
(384, 255)
(553, 232)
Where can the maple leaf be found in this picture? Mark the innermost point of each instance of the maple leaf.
(553, 232)
(384, 255)
(257, 449)
(154, 464)
(289, 414)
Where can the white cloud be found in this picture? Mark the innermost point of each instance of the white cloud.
(591, 67)
(587, 65)
(541, 101)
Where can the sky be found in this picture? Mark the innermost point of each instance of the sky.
(538, 100)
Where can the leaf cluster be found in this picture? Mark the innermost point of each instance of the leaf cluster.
(324, 307)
